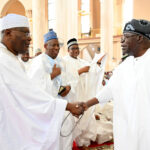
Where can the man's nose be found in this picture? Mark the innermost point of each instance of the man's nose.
(122, 39)
(29, 38)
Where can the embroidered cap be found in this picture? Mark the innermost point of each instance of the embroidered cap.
(71, 42)
(141, 27)
(50, 35)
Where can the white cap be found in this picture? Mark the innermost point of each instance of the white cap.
(13, 21)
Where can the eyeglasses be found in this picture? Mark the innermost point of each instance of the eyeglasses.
(75, 48)
(27, 34)
(54, 45)
(125, 36)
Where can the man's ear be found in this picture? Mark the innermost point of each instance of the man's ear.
(8, 32)
(45, 45)
(140, 38)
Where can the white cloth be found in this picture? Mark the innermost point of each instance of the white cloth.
(25, 65)
(30, 119)
(105, 124)
(72, 67)
(12, 21)
(129, 87)
(39, 72)
(87, 85)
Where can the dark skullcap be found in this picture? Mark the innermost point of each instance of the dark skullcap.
(141, 27)
(50, 35)
(71, 42)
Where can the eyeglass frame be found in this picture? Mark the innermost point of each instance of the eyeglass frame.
(27, 34)
(123, 37)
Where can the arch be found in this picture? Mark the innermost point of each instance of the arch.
(13, 6)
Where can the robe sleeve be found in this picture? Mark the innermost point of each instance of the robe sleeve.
(104, 95)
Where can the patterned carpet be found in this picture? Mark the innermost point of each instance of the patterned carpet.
(105, 147)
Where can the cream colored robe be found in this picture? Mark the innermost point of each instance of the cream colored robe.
(87, 85)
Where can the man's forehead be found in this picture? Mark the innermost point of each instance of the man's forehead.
(74, 45)
(53, 41)
(129, 33)
(21, 28)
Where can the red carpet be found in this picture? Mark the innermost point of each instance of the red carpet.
(93, 145)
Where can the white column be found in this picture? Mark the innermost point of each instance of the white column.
(66, 21)
(40, 22)
(107, 30)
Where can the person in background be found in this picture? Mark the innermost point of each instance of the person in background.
(48, 71)
(84, 75)
(38, 51)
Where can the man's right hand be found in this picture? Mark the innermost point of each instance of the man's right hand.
(75, 108)
(83, 70)
(55, 72)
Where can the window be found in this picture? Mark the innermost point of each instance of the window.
(85, 16)
(51, 14)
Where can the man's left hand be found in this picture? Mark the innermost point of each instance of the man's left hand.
(75, 108)
(68, 88)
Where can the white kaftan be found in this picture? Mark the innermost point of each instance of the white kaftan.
(87, 85)
(39, 72)
(30, 119)
(129, 87)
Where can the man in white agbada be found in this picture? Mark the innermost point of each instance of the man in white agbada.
(29, 118)
(129, 88)
(48, 72)
(88, 78)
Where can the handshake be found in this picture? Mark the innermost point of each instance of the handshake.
(77, 108)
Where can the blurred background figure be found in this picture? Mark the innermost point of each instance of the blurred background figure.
(38, 51)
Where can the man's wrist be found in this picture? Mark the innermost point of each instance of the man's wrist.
(68, 106)
(92, 102)
(79, 72)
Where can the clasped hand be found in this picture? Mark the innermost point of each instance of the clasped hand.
(78, 108)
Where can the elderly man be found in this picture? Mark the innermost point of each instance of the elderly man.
(129, 88)
(48, 71)
(29, 118)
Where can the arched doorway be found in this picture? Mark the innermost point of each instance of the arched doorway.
(13, 6)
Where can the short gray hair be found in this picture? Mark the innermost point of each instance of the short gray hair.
(1, 35)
